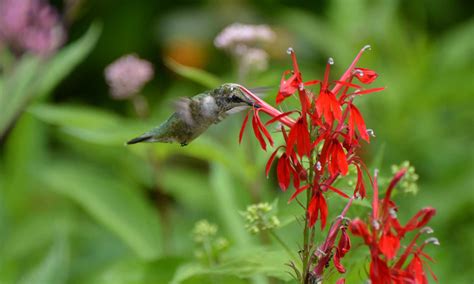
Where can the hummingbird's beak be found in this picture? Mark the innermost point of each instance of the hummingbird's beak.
(252, 104)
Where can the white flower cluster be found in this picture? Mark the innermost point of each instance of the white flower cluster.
(244, 42)
(236, 34)
(127, 75)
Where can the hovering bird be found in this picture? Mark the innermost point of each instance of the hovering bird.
(195, 114)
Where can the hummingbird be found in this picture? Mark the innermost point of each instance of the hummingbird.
(196, 114)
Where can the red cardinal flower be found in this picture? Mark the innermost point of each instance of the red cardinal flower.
(321, 142)
(327, 105)
(299, 136)
(385, 236)
(289, 86)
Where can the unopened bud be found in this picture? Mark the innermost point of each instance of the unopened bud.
(290, 50)
(367, 47)
(392, 213)
(330, 61)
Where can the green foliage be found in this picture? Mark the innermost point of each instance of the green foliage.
(113, 202)
(194, 74)
(32, 79)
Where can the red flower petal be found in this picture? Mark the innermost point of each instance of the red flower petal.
(359, 228)
(368, 91)
(338, 191)
(348, 84)
(244, 124)
(337, 262)
(270, 161)
(416, 268)
(297, 192)
(341, 281)
(323, 209)
(379, 272)
(360, 187)
(364, 75)
(283, 172)
(278, 117)
(263, 129)
(420, 219)
(340, 158)
(357, 119)
(389, 244)
(344, 244)
(258, 135)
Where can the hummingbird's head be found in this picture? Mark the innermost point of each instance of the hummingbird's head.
(232, 97)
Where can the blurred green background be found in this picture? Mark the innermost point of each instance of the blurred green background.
(76, 206)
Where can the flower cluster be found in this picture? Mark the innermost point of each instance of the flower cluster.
(259, 217)
(240, 34)
(211, 246)
(321, 140)
(329, 121)
(383, 235)
(30, 25)
(127, 75)
(245, 43)
(408, 184)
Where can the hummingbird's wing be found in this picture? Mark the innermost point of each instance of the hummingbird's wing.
(183, 107)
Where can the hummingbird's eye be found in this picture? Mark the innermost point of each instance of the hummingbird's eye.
(236, 99)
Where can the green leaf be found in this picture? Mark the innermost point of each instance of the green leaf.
(137, 272)
(196, 75)
(243, 264)
(66, 59)
(86, 123)
(33, 78)
(117, 205)
(224, 191)
(16, 91)
(53, 268)
(188, 186)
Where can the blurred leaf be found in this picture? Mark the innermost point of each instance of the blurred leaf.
(33, 233)
(243, 264)
(203, 148)
(33, 78)
(66, 59)
(187, 186)
(86, 123)
(117, 205)
(53, 269)
(16, 91)
(196, 75)
(137, 272)
(224, 192)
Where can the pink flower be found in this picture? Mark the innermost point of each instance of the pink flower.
(127, 75)
(30, 26)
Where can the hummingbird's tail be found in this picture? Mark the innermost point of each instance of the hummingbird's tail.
(143, 138)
